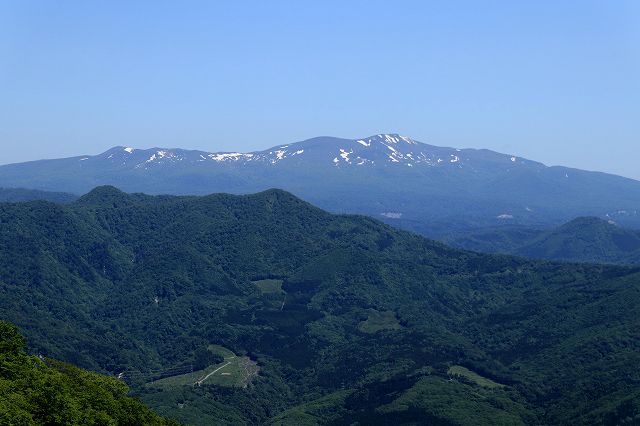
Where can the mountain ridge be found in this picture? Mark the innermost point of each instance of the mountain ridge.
(339, 151)
(278, 153)
(430, 190)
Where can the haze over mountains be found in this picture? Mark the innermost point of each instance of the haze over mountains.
(428, 189)
(15, 195)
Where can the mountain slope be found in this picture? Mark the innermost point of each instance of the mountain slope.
(425, 188)
(334, 313)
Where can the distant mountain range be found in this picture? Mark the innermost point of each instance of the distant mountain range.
(425, 188)
(585, 239)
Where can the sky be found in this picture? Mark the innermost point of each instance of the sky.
(552, 81)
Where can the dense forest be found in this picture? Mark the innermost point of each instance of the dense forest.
(306, 317)
(42, 391)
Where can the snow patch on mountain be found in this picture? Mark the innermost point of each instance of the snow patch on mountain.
(345, 155)
(505, 216)
(235, 156)
(162, 154)
(391, 215)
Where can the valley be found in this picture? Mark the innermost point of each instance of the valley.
(313, 315)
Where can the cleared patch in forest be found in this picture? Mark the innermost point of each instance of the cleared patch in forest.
(269, 286)
(379, 320)
(472, 376)
(273, 295)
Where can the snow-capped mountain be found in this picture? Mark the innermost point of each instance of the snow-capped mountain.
(391, 177)
(379, 150)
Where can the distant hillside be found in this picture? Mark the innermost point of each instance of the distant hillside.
(14, 195)
(36, 391)
(264, 309)
(424, 188)
(585, 239)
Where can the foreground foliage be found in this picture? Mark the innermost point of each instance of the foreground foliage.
(48, 392)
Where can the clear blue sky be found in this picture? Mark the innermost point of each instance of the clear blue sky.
(554, 81)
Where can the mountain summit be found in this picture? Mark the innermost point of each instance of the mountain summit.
(422, 187)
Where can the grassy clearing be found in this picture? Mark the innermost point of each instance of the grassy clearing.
(460, 371)
(222, 351)
(187, 379)
(273, 296)
(269, 286)
(234, 371)
(377, 320)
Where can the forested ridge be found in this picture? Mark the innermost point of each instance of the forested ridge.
(349, 321)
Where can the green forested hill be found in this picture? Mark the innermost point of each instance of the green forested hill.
(262, 308)
(36, 391)
(584, 239)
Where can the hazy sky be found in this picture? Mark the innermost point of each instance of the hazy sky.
(553, 81)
